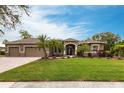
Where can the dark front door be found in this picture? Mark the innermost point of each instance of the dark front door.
(70, 49)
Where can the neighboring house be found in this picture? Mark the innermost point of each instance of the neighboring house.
(2, 47)
(29, 47)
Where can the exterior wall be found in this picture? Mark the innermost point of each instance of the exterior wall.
(70, 42)
(22, 49)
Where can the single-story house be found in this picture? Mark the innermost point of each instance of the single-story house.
(29, 47)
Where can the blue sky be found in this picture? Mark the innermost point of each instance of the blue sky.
(79, 22)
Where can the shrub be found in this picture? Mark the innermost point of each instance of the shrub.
(54, 57)
(108, 54)
(2, 53)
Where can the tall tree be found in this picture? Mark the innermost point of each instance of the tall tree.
(43, 43)
(24, 34)
(10, 15)
(108, 37)
(5, 41)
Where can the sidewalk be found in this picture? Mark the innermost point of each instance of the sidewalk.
(72, 84)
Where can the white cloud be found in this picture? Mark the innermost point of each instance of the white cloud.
(38, 24)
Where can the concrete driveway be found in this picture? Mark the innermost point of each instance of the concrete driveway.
(7, 63)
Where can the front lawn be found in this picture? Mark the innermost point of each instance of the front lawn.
(97, 69)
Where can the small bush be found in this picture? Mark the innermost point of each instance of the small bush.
(119, 58)
(108, 54)
(54, 57)
(62, 57)
(44, 58)
(2, 53)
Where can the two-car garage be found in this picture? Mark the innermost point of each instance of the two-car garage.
(24, 48)
(28, 52)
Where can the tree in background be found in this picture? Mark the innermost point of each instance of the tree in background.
(5, 41)
(118, 49)
(10, 15)
(24, 34)
(83, 48)
(43, 43)
(108, 37)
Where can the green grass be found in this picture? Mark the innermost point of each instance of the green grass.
(96, 69)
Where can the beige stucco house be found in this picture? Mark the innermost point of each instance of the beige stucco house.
(29, 47)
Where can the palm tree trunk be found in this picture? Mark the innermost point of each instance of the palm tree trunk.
(45, 54)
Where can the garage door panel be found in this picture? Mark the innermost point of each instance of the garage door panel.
(34, 52)
(14, 51)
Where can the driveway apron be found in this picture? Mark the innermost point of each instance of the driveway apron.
(7, 63)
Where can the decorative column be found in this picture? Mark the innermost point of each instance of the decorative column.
(75, 49)
(98, 47)
(64, 49)
(7, 50)
(21, 50)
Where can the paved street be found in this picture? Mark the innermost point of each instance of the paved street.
(7, 63)
(67, 84)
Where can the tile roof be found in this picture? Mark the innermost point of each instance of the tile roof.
(70, 39)
(93, 42)
(35, 40)
(24, 41)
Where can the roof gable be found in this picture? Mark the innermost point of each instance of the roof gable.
(70, 39)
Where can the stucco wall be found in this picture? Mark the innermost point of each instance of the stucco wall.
(22, 50)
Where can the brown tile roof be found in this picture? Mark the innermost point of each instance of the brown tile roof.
(35, 40)
(24, 41)
(93, 42)
(70, 39)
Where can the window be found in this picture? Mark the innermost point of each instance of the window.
(59, 50)
(55, 50)
(95, 48)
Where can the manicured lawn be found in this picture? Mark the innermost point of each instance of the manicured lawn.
(98, 69)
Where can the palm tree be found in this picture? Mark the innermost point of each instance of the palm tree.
(5, 41)
(25, 34)
(54, 43)
(43, 43)
(61, 45)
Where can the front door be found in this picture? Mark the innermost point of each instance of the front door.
(70, 49)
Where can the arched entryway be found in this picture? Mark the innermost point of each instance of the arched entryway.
(70, 49)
